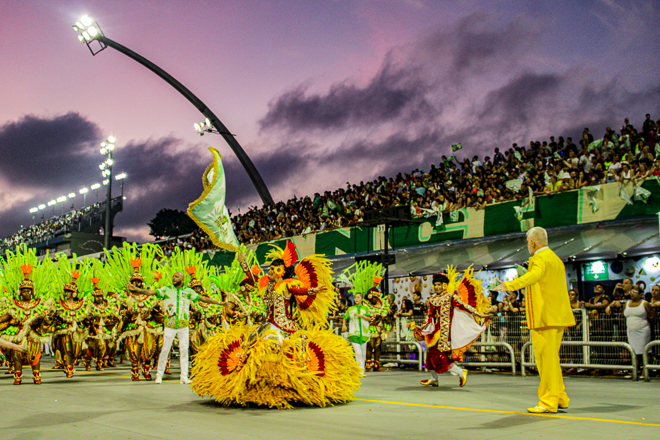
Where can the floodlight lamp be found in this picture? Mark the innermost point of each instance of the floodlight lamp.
(33, 210)
(109, 162)
(197, 126)
(42, 206)
(102, 166)
(83, 191)
(95, 186)
(106, 181)
(80, 37)
(104, 151)
(79, 26)
(111, 147)
(208, 122)
(51, 203)
(112, 139)
(72, 195)
(86, 21)
(86, 36)
(93, 32)
(61, 199)
(103, 144)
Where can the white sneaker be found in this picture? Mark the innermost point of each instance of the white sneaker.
(158, 380)
(185, 380)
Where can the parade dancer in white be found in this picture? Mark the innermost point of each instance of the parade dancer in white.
(176, 308)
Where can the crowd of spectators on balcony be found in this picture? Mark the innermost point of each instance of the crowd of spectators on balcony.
(628, 156)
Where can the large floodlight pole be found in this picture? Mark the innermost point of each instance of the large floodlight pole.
(92, 36)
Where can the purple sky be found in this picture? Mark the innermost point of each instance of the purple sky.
(319, 93)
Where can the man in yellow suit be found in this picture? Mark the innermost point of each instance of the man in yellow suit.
(548, 313)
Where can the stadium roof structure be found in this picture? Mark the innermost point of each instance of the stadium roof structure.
(587, 242)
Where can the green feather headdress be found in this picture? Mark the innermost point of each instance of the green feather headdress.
(129, 261)
(21, 265)
(363, 276)
(75, 274)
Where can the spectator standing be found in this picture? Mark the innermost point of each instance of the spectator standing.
(638, 313)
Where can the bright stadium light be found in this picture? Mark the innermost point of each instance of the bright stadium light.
(90, 33)
(52, 202)
(72, 195)
(121, 176)
(33, 210)
(109, 162)
(104, 151)
(42, 206)
(106, 181)
(83, 191)
(61, 199)
(95, 186)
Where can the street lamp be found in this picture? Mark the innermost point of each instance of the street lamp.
(90, 33)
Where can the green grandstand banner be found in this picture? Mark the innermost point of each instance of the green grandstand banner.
(586, 205)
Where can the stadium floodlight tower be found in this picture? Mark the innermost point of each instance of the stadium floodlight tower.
(121, 177)
(90, 33)
(84, 192)
(107, 147)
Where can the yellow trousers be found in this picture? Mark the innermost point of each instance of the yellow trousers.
(546, 352)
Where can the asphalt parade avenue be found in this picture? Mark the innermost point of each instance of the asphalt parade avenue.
(390, 404)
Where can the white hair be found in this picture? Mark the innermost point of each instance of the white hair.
(539, 235)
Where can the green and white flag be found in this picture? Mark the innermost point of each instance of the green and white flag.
(456, 147)
(209, 211)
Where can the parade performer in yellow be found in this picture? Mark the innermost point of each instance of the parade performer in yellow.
(27, 318)
(142, 325)
(291, 357)
(548, 312)
(457, 317)
(74, 280)
(99, 340)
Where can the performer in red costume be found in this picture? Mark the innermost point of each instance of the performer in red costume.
(451, 326)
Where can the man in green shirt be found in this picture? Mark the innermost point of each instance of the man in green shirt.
(176, 307)
(358, 318)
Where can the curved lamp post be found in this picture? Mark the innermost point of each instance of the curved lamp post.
(91, 34)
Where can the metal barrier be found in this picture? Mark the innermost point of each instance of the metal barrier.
(398, 360)
(633, 367)
(647, 365)
(511, 363)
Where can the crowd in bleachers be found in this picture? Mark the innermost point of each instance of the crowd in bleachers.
(54, 226)
(628, 155)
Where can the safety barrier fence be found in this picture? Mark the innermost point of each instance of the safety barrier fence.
(633, 366)
(647, 361)
(598, 341)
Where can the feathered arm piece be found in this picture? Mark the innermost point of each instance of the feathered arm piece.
(313, 272)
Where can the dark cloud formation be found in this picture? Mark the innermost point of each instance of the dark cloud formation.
(32, 146)
(394, 93)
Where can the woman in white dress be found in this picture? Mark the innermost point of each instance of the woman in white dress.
(638, 313)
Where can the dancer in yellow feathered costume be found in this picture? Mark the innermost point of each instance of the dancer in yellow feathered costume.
(289, 358)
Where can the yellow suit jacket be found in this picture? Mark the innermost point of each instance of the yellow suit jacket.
(546, 296)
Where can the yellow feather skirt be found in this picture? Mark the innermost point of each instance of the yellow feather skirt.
(311, 367)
